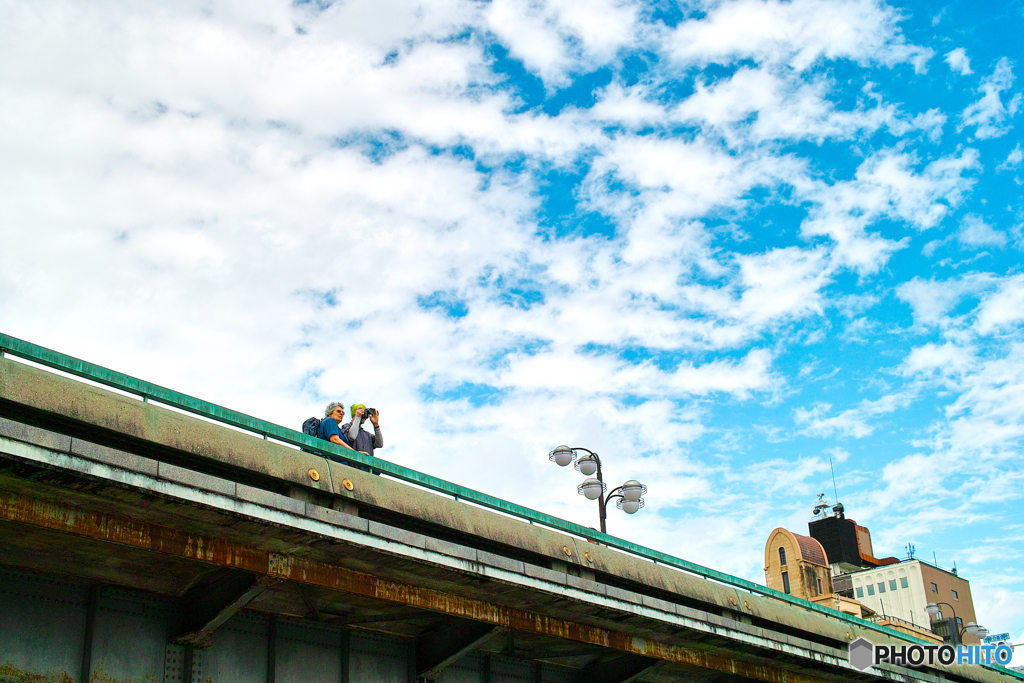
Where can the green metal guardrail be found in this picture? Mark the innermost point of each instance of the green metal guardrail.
(74, 366)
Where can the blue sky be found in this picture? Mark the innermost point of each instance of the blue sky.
(720, 243)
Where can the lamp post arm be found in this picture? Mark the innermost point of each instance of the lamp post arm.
(613, 494)
(947, 605)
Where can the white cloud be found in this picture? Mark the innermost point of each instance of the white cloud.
(795, 33)
(948, 358)
(854, 422)
(1013, 159)
(989, 113)
(1004, 308)
(554, 38)
(958, 61)
(884, 185)
(975, 232)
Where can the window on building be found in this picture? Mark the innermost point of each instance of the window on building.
(860, 592)
(785, 580)
(871, 589)
(892, 584)
(959, 623)
(821, 591)
(881, 586)
(935, 589)
(955, 596)
(904, 583)
(782, 556)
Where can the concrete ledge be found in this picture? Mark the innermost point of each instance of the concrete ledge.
(656, 603)
(399, 535)
(545, 574)
(506, 563)
(34, 435)
(112, 456)
(198, 480)
(337, 518)
(585, 584)
(273, 500)
(626, 596)
(451, 549)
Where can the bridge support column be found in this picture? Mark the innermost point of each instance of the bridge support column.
(90, 629)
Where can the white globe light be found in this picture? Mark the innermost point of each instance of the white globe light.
(563, 455)
(630, 506)
(592, 489)
(587, 465)
(632, 490)
(932, 609)
(982, 632)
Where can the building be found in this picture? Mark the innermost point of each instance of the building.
(847, 544)
(836, 566)
(796, 565)
(904, 589)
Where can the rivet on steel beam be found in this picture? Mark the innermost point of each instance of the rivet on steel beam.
(589, 558)
(314, 475)
(732, 600)
(746, 604)
(565, 549)
(347, 483)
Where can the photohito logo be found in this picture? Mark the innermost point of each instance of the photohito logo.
(865, 654)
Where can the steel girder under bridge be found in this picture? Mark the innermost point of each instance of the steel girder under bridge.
(138, 543)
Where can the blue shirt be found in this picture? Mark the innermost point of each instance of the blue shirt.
(328, 427)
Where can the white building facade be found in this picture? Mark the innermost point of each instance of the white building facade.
(903, 590)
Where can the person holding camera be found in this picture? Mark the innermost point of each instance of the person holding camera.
(361, 439)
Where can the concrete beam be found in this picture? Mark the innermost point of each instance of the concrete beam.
(436, 651)
(214, 551)
(210, 606)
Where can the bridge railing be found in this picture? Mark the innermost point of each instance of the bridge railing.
(146, 390)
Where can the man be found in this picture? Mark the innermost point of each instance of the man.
(328, 429)
(359, 437)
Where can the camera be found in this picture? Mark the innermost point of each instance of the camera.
(368, 413)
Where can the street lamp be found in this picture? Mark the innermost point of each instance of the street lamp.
(628, 497)
(973, 629)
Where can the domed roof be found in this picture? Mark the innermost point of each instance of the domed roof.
(808, 549)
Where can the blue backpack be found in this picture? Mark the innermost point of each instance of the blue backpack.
(311, 426)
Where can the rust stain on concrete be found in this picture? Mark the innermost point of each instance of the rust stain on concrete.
(12, 674)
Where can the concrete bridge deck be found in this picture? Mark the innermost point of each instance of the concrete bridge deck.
(139, 543)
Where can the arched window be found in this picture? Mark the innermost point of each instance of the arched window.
(782, 555)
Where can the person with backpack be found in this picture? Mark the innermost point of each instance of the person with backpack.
(329, 429)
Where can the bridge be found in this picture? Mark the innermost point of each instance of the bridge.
(147, 535)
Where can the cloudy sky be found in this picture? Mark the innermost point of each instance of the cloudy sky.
(718, 242)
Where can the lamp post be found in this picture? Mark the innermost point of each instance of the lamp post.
(629, 496)
(973, 629)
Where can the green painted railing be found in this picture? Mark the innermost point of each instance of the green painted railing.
(74, 366)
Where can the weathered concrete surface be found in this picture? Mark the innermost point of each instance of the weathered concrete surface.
(129, 515)
(98, 407)
(68, 399)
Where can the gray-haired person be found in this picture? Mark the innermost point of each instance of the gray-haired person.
(329, 430)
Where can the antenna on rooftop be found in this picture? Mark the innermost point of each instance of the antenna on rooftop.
(910, 551)
(834, 489)
(837, 510)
